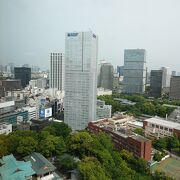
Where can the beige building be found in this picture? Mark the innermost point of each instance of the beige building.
(159, 128)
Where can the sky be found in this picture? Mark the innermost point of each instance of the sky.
(31, 29)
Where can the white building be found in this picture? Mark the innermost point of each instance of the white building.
(33, 83)
(32, 112)
(158, 128)
(5, 128)
(80, 79)
(166, 77)
(102, 91)
(103, 111)
(134, 71)
(41, 83)
(57, 71)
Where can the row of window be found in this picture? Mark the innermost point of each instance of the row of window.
(161, 127)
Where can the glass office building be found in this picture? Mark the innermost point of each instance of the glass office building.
(134, 71)
(81, 50)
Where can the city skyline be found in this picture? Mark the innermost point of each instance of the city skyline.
(31, 30)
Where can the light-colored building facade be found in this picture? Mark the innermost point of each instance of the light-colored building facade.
(102, 91)
(57, 71)
(166, 77)
(134, 71)
(106, 76)
(103, 111)
(81, 50)
(32, 112)
(5, 128)
(159, 128)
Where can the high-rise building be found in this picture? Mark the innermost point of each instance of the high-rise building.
(81, 50)
(24, 74)
(175, 87)
(166, 77)
(134, 71)
(106, 76)
(98, 71)
(57, 71)
(173, 73)
(156, 83)
(120, 70)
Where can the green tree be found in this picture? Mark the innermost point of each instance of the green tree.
(67, 162)
(58, 129)
(16, 137)
(52, 145)
(80, 144)
(3, 145)
(160, 143)
(26, 146)
(91, 169)
(173, 142)
(139, 131)
(157, 156)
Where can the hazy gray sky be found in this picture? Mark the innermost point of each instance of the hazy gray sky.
(31, 29)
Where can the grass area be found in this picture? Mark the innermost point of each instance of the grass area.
(170, 166)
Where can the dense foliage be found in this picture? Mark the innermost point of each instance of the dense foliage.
(142, 106)
(171, 144)
(93, 156)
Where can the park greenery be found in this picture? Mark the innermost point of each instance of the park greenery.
(152, 107)
(171, 144)
(92, 155)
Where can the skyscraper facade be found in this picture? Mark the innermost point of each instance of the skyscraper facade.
(175, 87)
(166, 77)
(81, 50)
(120, 70)
(106, 76)
(24, 74)
(134, 71)
(57, 71)
(156, 83)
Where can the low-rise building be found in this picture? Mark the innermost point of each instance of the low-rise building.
(123, 138)
(102, 110)
(44, 169)
(159, 128)
(102, 91)
(32, 112)
(5, 128)
(14, 117)
(12, 169)
(6, 107)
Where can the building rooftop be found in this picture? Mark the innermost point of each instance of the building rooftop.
(125, 101)
(40, 164)
(13, 169)
(139, 138)
(122, 131)
(163, 122)
(136, 123)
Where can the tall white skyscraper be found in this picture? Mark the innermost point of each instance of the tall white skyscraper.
(134, 71)
(166, 77)
(57, 71)
(81, 50)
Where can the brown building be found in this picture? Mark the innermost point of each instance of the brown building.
(11, 84)
(123, 138)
